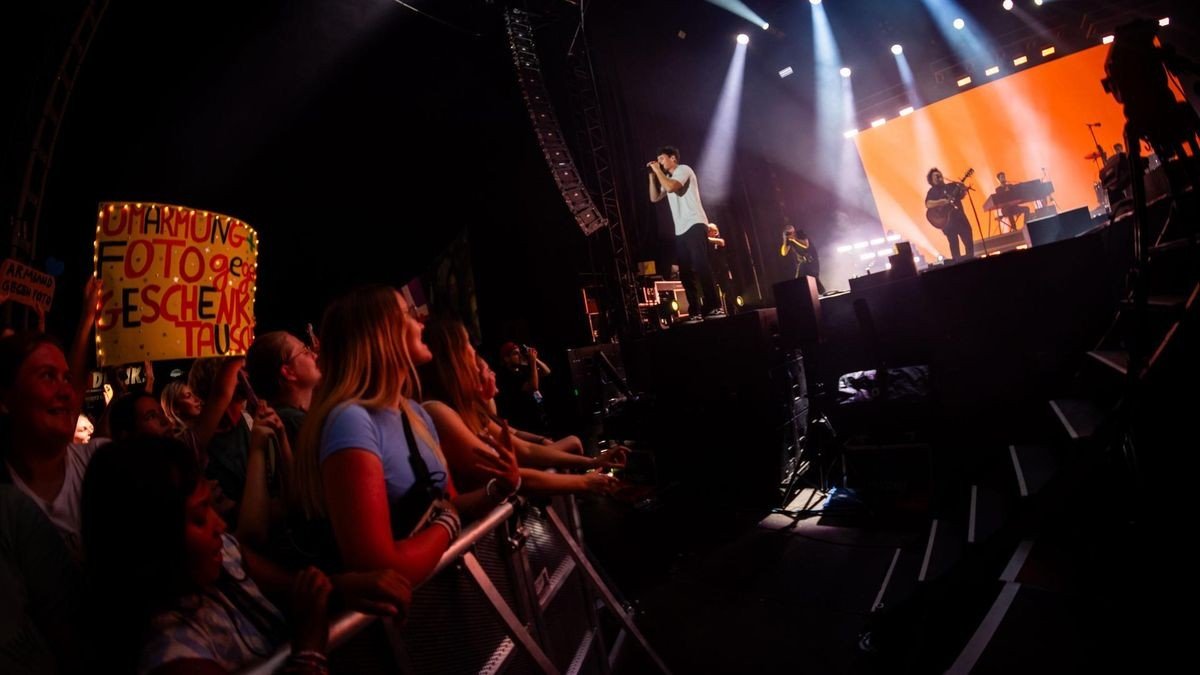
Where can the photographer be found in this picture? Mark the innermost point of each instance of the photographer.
(519, 375)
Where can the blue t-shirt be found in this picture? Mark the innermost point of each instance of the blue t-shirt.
(381, 433)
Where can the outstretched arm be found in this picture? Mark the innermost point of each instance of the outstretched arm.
(92, 301)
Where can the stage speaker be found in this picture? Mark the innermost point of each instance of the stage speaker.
(1057, 227)
(799, 311)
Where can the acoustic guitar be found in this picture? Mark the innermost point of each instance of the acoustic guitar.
(939, 216)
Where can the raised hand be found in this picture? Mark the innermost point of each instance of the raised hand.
(380, 592)
(611, 458)
(310, 598)
(599, 483)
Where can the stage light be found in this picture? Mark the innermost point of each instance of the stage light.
(786, 71)
(814, 2)
(884, 252)
(845, 249)
(1108, 39)
(674, 305)
(1165, 21)
(740, 301)
(867, 256)
(862, 244)
(1047, 51)
(905, 112)
(992, 71)
(766, 25)
(743, 39)
(878, 123)
(1008, 4)
(897, 50)
(850, 133)
(959, 24)
(844, 72)
(892, 237)
(877, 241)
(1020, 60)
(964, 81)
(1037, 2)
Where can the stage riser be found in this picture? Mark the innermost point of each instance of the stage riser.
(728, 403)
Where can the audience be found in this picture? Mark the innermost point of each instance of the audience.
(40, 409)
(170, 590)
(83, 429)
(182, 408)
(284, 372)
(135, 414)
(455, 401)
(40, 586)
(390, 505)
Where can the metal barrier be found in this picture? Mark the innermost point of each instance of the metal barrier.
(514, 593)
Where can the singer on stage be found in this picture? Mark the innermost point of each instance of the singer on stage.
(677, 183)
(948, 196)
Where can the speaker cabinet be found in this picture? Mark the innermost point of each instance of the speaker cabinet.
(1057, 227)
(799, 311)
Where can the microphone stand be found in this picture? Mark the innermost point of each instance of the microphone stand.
(982, 239)
(1103, 159)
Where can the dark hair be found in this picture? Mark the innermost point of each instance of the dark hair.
(669, 151)
(929, 175)
(15, 348)
(1001, 174)
(263, 361)
(449, 377)
(134, 507)
(121, 417)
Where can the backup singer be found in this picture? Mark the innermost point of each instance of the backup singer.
(803, 255)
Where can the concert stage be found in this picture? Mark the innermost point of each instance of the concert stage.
(1000, 336)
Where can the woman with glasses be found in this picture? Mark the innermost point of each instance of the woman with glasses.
(284, 372)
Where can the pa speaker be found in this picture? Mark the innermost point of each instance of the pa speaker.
(798, 310)
(1057, 227)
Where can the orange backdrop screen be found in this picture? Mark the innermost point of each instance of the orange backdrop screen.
(1030, 125)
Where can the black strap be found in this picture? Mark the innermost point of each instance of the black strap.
(420, 468)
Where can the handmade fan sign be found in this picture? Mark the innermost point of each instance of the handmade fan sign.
(179, 283)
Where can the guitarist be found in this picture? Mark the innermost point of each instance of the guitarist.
(803, 255)
(944, 203)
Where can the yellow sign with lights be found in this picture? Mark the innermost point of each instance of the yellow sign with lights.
(179, 283)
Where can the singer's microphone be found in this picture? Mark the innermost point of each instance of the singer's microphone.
(1094, 125)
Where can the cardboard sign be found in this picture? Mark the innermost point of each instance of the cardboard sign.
(21, 283)
(178, 283)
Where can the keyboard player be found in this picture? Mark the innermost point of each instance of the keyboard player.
(1010, 213)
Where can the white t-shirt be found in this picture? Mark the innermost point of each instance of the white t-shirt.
(685, 204)
(65, 509)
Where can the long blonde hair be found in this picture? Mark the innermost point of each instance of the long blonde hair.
(453, 375)
(364, 360)
(171, 393)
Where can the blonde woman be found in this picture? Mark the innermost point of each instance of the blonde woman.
(181, 406)
(369, 461)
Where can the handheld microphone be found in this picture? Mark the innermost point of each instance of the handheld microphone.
(1094, 125)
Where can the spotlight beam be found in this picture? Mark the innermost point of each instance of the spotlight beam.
(716, 160)
(740, 9)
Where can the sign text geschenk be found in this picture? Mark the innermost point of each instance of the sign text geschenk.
(178, 283)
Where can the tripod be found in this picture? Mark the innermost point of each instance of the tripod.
(816, 449)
